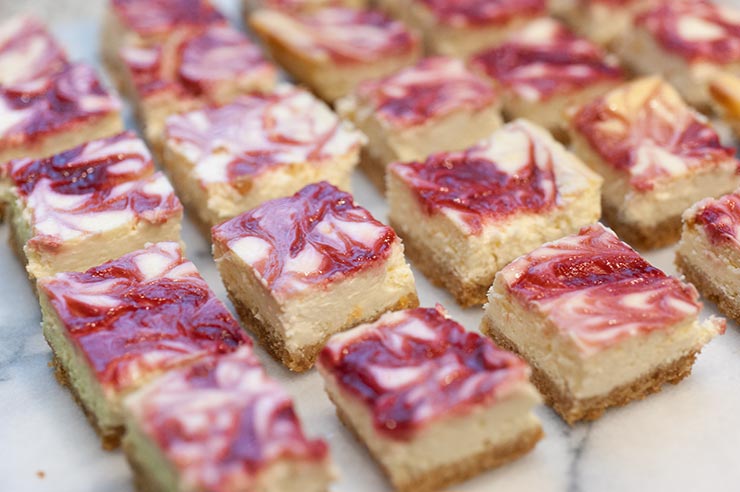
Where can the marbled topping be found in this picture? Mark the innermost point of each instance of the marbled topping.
(697, 30)
(234, 143)
(719, 219)
(644, 129)
(411, 367)
(95, 187)
(222, 421)
(28, 53)
(510, 172)
(432, 88)
(150, 17)
(71, 97)
(598, 291)
(480, 13)
(545, 59)
(140, 314)
(316, 236)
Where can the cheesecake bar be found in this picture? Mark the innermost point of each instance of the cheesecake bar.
(461, 28)
(300, 5)
(657, 156)
(604, 21)
(221, 425)
(229, 159)
(688, 42)
(332, 50)
(465, 215)
(437, 104)
(544, 69)
(301, 268)
(118, 325)
(600, 326)
(434, 404)
(190, 70)
(724, 90)
(86, 205)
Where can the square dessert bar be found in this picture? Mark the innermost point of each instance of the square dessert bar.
(190, 70)
(657, 156)
(544, 69)
(437, 104)
(463, 27)
(87, 205)
(117, 325)
(709, 251)
(688, 42)
(302, 268)
(600, 326)
(300, 5)
(229, 159)
(221, 425)
(604, 21)
(332, 50)
(465, 215)
(724, 90)
(433, 403)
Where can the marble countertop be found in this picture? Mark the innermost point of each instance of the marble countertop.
(684, 438)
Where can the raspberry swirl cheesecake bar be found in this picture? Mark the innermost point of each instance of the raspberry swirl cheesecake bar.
(302, 268)
(221, 425)
(117, 325)
(229, 159)
(437, 104)
(465, 215)
(433, 403)
(87, 205)
(332, 50)
(544, 69)
(657, 156)
(600, 326)
(604, 21)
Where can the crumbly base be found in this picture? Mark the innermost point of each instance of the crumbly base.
(303, 359)
(464, 469)
(709, 289)
(573, 409)
(660, 235)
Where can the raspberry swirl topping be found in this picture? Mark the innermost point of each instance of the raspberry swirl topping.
(697, 30)
(411, 367)
(314, 237)
(141, 314)
(598, 291)
(510, 172)
(92, 188)
(645, 130)
(480, 13)
(234, 143)
(545, 59)
(432, 88)
(720, 219)
(222, 421)
(28, 53)
(150, 17)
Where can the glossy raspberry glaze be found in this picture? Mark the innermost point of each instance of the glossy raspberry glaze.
(222, 421)
(478, 13)
(147, 17)
(315, 237)
(28, 53)
(720, 219)
(415, 366)
(130, 323)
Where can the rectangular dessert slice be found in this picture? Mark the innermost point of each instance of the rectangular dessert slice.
(463, 27)
(302, 268)
(87, 205)
(465, 215)
(600, 326)
(687, 41)
(332, 50)
(435, 105)
(117, 325)
(604, 21)
(709, 251)
(226, 160)
(543, 69)
(221, 425)
(434, 404)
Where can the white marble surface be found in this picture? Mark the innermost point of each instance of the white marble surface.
(685, 438)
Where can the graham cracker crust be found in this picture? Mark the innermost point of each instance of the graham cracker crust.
(305, 358)
(663, 234)
(373, 168)
(466, 294)
(573, 409)
(458, 471)
(141, 479)
(704, 284)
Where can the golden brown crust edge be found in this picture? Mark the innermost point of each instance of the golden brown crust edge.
(727, 305)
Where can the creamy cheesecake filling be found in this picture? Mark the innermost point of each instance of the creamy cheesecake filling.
(719, 264)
